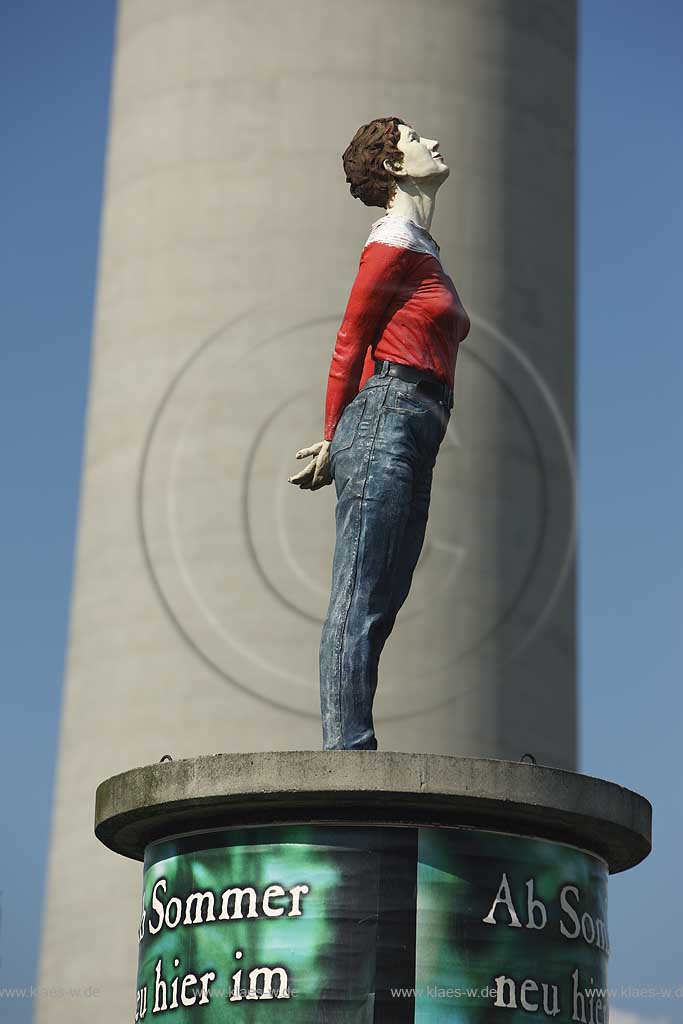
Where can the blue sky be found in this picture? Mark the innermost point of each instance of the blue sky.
(55, 69)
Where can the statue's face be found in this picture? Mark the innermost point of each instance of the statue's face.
(421, 157)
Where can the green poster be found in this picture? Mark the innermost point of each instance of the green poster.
(509, 928)
(370, 925)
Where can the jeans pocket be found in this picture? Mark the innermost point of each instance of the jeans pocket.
(347, 427)
(410, 402)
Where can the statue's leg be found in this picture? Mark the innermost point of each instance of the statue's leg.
(383, 464)
(432, 430)
(374, 477)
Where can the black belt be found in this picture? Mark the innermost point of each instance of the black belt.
(430, 384)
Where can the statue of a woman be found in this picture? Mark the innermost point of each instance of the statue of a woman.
(388, 403)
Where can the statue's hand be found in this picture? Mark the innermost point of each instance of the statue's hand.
(318, 472)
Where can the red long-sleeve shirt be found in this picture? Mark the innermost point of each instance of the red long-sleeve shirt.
(404, 307)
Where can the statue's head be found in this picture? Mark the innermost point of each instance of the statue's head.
(384, 150)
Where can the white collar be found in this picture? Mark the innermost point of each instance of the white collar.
(395, 229)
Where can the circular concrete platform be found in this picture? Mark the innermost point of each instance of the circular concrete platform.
(372, 787)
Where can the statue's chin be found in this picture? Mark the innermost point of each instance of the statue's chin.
(440, 172)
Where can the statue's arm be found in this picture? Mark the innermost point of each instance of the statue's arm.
(379, 274)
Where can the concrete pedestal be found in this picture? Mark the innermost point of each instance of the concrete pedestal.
(371, 886)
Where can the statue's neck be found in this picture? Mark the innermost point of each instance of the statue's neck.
(417, 206)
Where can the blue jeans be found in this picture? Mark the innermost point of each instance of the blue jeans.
(382, 458)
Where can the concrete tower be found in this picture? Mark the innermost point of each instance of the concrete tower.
(229, 244)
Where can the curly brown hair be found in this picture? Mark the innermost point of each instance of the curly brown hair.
(364, 157)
